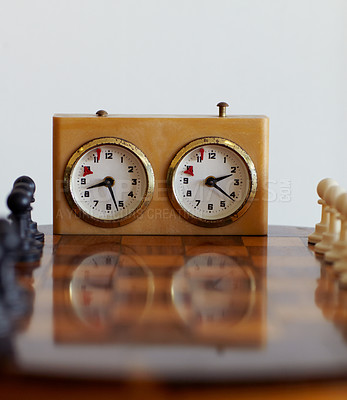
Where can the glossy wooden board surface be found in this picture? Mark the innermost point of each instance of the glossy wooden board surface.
(182, 309)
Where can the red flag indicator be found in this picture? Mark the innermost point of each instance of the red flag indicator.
(189, 170)
(98, 152)
(86, 171)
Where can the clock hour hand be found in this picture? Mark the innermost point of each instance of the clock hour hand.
(108, 182)
(103, 183)
(221, 178)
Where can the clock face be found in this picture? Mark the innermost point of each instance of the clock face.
(211, 182)
(108, 182)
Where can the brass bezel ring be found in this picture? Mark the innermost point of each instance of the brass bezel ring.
(212, 140)
(114, 223)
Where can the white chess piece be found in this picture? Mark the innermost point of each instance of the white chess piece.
(330, 237)
(323, 225)
(340, 245)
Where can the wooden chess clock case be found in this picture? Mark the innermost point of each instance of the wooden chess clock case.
(160, 138)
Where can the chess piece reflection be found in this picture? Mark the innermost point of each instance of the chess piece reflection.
(15, 300)
(332, 300)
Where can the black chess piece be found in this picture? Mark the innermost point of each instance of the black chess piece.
(32, 187)
(14, 297)
(9, 238)
(32, 226)
(18, 202)
(15, 301)
(5, 325)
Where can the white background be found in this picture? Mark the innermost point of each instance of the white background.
(283, 58)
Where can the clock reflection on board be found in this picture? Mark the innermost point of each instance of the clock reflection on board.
(215, 286)
(91, 288)
(205, 296)
(101, 288)
(219, 299)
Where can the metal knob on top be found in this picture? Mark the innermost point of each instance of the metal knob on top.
(222, 109)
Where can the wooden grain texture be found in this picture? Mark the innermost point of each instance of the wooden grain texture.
(160, 138)
(193, 317)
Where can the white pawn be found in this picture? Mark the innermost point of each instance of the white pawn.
(340, 245)
(329, 238)
(323, 225)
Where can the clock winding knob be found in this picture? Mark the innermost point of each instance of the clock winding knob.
(222, 109)
(101, 113)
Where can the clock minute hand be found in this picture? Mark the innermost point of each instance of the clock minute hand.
(222, 191)
(109, 182)
(112, 195)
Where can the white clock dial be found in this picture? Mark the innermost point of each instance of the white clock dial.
(108, 182)
(211, 181)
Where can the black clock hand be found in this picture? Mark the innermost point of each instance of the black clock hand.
(112, 195)
(221, 178)
(103, 183)
(222, 191)
(211, 182)
(108, 182)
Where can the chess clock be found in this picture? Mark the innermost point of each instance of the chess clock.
(160, 175)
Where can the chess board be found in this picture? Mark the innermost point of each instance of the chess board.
(178, 309)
